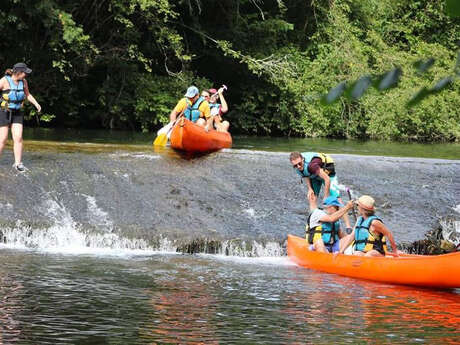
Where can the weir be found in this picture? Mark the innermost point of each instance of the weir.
(234, 202)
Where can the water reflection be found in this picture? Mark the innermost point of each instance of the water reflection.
(10, 306)
(182, 299)
(183, 314)
(375, 312)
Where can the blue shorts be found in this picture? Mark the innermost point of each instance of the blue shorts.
(332, 248)
(333, 188)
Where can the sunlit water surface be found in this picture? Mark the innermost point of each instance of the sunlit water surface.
(68, 287)
(181, 299)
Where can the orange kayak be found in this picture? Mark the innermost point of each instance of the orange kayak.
(437, 271)
(187, 136)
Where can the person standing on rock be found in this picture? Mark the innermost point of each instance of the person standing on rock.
(15, 90)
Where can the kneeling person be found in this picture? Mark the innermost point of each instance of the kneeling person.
(323, 228)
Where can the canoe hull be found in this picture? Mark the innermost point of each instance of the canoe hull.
(189, 137)
(436, 271)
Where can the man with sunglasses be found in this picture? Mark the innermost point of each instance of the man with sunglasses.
(318, 169)
(194, 108)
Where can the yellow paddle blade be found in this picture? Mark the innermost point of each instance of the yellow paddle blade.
(161, 140)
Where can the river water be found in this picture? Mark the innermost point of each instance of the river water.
(96, 236)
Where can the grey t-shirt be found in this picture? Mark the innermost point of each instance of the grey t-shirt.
(315, 217)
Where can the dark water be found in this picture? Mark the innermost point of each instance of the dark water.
(177, 299)
(144, 140)
(91, 232)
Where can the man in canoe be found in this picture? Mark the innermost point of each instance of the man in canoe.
(323, 231)
(194, 108)
(318, 169)
(369, 234)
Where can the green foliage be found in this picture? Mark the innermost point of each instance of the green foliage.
(125, 63)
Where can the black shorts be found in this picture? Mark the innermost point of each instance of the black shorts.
(8, 117)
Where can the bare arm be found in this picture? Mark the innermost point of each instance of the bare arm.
(31, 98)
(312, 201)
(2, 84)
(330, 218)
(173, 115)
(327, 182)
(346, 241)
(310, 188)
(382, 229)
(223, 103)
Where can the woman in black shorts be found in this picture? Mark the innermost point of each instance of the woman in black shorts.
(14, 90)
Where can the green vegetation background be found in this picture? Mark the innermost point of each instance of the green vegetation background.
(125, 63)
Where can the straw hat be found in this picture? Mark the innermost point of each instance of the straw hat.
(366, 202)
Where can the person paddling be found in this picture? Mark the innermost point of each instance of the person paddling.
(194, 108)
(218, 109)
(323, 231)
(369, 234)
(318, 169)
(15, 91)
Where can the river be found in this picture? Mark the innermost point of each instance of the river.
(96, 236)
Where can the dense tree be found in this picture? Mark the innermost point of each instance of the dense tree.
(124, 63)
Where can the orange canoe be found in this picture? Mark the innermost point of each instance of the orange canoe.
(187, 136)
(437, 271)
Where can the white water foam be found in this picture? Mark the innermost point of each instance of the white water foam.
(456, 208)
(267, 260)
(98, 217)
(66, 236)
(235, 248)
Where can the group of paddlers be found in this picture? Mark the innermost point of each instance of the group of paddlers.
(323, 231)
(205, 109)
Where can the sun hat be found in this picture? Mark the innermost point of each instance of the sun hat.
(332, 201)
(21, 66)
(366, 202)
(192, 91)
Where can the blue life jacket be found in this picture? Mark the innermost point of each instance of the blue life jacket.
(327, 231)
(328, 164)
(214, 105)
(192, 112)
(14, 97)
(365, 240)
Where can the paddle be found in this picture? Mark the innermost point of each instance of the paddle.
(349, 197)
(162, 134)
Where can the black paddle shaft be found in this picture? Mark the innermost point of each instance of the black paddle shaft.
(349, 197)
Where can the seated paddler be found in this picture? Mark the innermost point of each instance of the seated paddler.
(323, 231)
(193, 107)
(369, 236)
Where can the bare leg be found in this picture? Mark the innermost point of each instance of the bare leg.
(358, 253)
(3, 137)
(201, 122)
(224, 126)
(319, 246)
(16, 132)
(373, 252)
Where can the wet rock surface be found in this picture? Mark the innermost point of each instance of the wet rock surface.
(204, 201)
